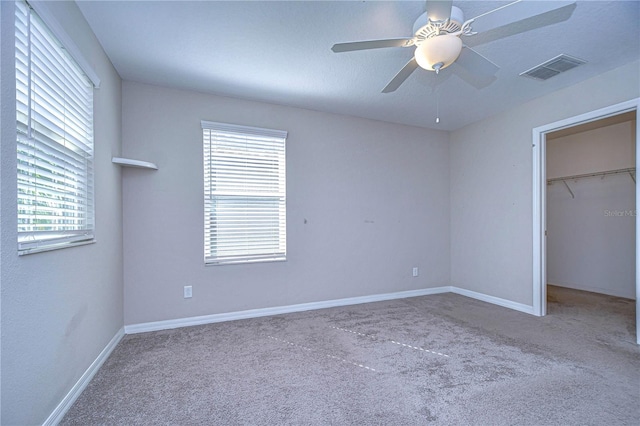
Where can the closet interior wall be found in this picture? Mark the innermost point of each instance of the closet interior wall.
(591, 207)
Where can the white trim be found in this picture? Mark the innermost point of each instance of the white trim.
(263, 312)
(494, 300)
(66, 403)
(539, 200)
(588, 117)
(52, 247)
(43, 11)
(539, 223)
(236, 128)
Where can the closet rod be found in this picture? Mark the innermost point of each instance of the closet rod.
(630, 170)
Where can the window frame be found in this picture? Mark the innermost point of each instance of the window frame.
(252, 190)
(55, 167)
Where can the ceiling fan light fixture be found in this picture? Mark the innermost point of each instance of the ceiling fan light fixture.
(442, 49)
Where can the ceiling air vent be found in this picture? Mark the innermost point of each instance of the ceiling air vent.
(553, 67)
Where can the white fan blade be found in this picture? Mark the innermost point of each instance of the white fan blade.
(371, 44)
(528, 24)
(404, 73)
(514, 12)
(439, 10)
(473, 79)
(476, 63)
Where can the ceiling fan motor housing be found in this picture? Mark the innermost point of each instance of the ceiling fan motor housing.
(423, 28)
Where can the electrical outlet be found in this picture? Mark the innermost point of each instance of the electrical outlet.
(415, 271)
(188, 291)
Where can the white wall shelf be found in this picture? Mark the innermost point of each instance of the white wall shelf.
(128, 162)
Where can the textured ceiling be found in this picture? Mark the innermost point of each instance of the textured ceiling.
(280, 52)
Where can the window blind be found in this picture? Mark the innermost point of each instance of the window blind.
(54, 105)
(244, 194)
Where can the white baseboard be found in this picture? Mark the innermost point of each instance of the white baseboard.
(263, 312)
(630, 294)
(527, 309)
(66, 403)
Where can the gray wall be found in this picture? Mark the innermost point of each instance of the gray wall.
(491, 185)
(59, 308)
(375, 197)
(591, 238)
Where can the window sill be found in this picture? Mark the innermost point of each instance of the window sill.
(54, 247)
(243, 262)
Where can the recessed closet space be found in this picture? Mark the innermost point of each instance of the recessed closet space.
(591, 209)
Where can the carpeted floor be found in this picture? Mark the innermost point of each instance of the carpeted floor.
(443, 359)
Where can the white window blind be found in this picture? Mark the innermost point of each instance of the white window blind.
(244, 194)
(54, 102)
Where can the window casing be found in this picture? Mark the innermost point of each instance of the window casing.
(54, 112)
(244, 194)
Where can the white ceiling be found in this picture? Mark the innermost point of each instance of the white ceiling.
(280, 52)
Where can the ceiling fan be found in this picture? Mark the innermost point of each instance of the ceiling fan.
(438, 31)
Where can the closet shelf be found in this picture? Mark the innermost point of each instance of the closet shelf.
(128, 162)
(564, 179)
(630, 170)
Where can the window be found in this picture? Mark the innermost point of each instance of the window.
(244, 194)
(54, 102)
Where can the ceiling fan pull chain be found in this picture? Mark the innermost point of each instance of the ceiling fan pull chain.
(437, 107)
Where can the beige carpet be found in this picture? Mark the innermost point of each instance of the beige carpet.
(442, 359)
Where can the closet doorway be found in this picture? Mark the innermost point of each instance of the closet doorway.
(585, 207)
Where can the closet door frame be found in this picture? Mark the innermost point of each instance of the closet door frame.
(539, 143)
